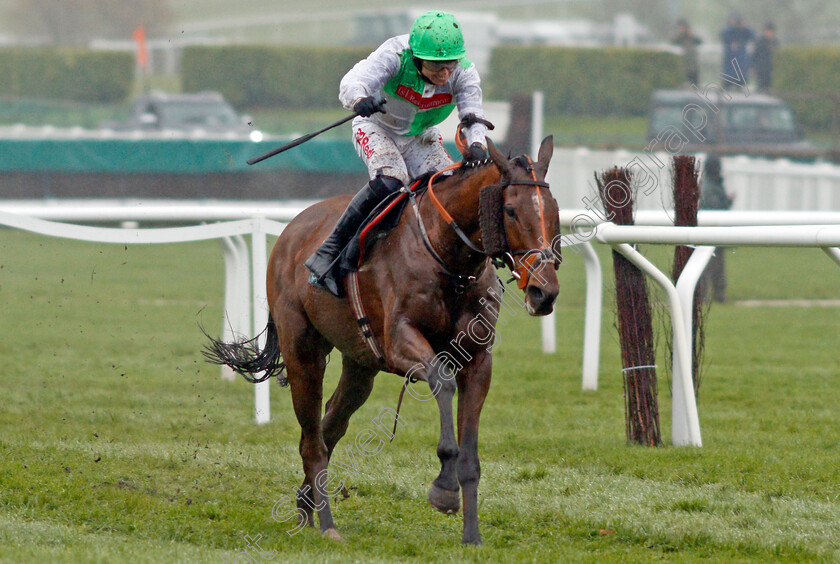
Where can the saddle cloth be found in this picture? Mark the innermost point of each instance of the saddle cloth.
(384, 217)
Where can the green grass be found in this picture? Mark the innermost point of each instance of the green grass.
(119, 444)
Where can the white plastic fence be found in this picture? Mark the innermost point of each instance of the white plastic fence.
(594, 276)
(792, 229)
(245, 294)
(152, 211)
(245, 300)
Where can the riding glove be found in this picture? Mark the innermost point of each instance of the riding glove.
(475, 155)
(368, 106)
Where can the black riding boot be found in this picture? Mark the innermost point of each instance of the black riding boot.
(324, 263)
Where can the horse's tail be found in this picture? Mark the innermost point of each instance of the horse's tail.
(245, 357)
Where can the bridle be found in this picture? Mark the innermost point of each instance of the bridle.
(504, 257)
(531, 257)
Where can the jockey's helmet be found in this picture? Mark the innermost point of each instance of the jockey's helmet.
(436, 36)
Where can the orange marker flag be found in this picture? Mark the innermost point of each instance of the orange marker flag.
(139, 36)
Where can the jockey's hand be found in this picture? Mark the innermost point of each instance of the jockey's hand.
(475, 155)
(368, 106)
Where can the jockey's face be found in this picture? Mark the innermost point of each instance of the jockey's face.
(438, 72)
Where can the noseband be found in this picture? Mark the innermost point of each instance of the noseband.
(500, 253)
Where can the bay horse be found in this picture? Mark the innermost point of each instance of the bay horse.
(423, 285)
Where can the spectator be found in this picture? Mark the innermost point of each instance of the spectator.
(736, 37)
(713, 196)
(763, 53)
(686, 39)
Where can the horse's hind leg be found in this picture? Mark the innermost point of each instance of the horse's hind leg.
(305, 371)
(353, 390)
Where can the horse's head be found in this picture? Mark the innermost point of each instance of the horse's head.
(520, 225)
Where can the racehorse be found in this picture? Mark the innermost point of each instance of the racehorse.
(432, 300)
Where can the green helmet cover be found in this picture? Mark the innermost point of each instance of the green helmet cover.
(436, 36)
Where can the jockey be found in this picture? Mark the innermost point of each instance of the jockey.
(401, 92)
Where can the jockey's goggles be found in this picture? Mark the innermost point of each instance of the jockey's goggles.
(437, 66)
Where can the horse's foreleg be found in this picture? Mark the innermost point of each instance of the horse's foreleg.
(473, 384)
(409, 353)
(444, 491)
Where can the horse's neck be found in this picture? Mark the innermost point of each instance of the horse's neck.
(459, 196)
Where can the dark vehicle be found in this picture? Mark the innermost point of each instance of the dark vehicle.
(726, 121)
(205, 111)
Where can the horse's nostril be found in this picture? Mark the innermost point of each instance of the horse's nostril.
(536, 294)
(541, 300)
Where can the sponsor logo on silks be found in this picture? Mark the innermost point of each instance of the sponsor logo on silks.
(364, 142)
(418, 100)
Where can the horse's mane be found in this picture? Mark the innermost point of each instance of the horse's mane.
(464, 173)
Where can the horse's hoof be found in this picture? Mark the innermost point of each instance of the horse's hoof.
(471, 542)
(445, 501)
(333, 535)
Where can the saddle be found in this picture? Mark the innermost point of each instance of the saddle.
(384, 217)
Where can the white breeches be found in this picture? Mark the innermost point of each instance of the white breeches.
(396, 155)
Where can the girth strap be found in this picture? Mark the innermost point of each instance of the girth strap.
(363, 321)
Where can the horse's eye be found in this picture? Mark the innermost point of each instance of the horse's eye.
(510, 211)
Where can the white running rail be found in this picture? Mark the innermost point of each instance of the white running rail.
(245, 294)
(245, 299)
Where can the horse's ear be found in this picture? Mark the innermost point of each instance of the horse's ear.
(544, 155)
(498, 158)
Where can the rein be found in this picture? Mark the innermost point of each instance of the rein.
(445, 214)
(462, 282)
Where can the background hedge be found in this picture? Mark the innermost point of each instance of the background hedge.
(809, 79)
(266, 76)
(583, 81)
(67, 74)
(576, 81)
